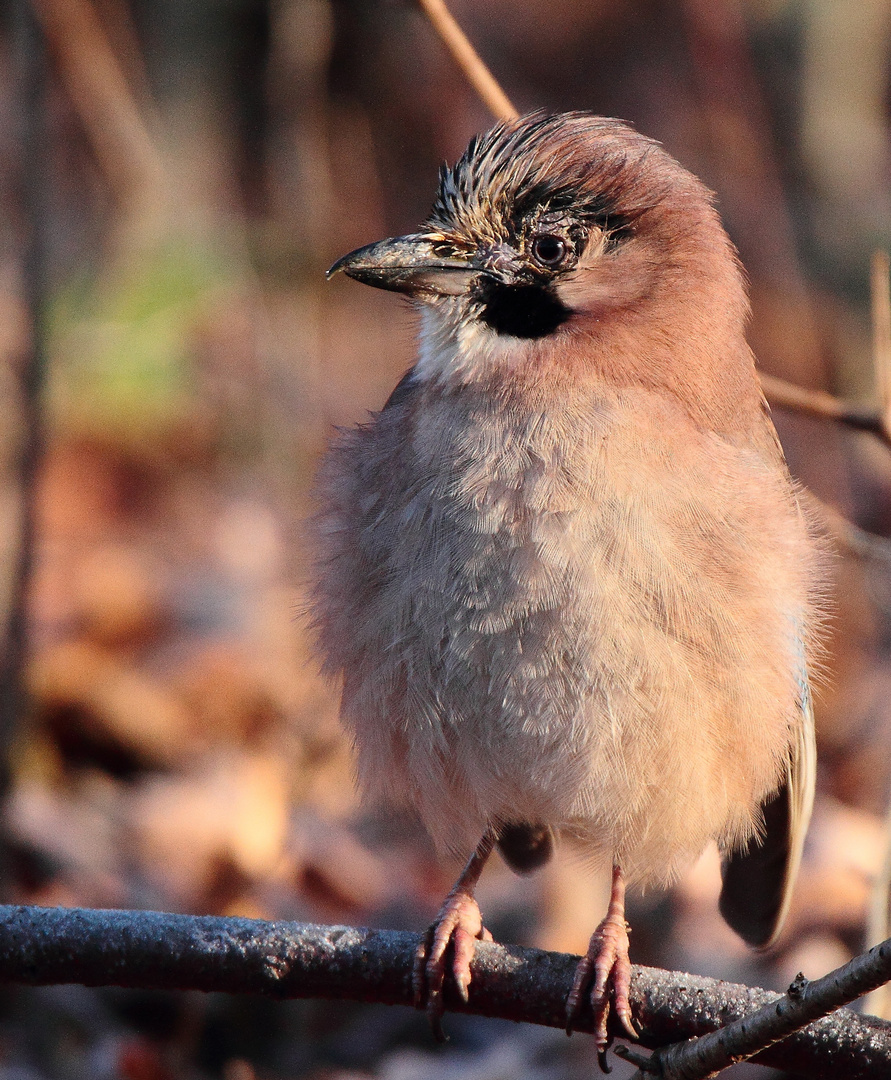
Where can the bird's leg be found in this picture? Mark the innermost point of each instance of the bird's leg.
(460, 924)
(606, 966)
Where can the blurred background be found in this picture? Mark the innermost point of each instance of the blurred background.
(175, 176)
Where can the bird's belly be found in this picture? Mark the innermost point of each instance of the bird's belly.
(560, 649)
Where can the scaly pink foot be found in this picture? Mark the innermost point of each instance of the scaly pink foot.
(606, 967)
(459, 924)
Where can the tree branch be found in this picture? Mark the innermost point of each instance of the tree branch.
(148, 950)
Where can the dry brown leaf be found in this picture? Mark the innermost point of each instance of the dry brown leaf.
(79, 684)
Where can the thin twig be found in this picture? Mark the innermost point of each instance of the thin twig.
(786, 395)
(43, 946)
(468, 60)
(881, 333)
(697, 1059)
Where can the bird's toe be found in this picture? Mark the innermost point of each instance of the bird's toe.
(606, 968)
(459, 924)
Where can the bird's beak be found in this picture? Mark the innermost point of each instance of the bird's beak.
(408, 264)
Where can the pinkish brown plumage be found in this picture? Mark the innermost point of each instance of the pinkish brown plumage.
(564, 573)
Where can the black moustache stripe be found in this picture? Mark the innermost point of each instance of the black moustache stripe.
(523, 311)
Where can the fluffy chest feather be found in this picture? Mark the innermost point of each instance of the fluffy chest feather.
(538, 612)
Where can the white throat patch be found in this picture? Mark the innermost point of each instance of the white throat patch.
(453, 344)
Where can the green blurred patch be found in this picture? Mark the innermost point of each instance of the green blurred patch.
(122, 346)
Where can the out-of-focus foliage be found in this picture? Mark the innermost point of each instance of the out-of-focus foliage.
(122, 363)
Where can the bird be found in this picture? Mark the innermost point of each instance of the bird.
(564, 574)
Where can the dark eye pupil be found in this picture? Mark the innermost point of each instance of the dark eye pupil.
(549, 250)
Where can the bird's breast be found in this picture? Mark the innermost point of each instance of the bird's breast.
(537, 608)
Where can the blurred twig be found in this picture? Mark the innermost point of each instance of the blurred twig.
(116, 18)
(468, 60)
(112, 120)
(818, 403)
(739, 130)
(879, 1001)
(43, 946)
(881, 334)
(851, 539)
(31, 369)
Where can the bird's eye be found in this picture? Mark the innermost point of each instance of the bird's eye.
(550, 251)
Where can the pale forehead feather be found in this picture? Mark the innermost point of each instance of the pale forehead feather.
(572, 161)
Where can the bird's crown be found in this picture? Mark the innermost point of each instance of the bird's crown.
(590, 169)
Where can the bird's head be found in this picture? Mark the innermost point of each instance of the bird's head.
(560, 228)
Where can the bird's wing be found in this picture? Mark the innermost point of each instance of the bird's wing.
(402, 391)
(758, 880)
